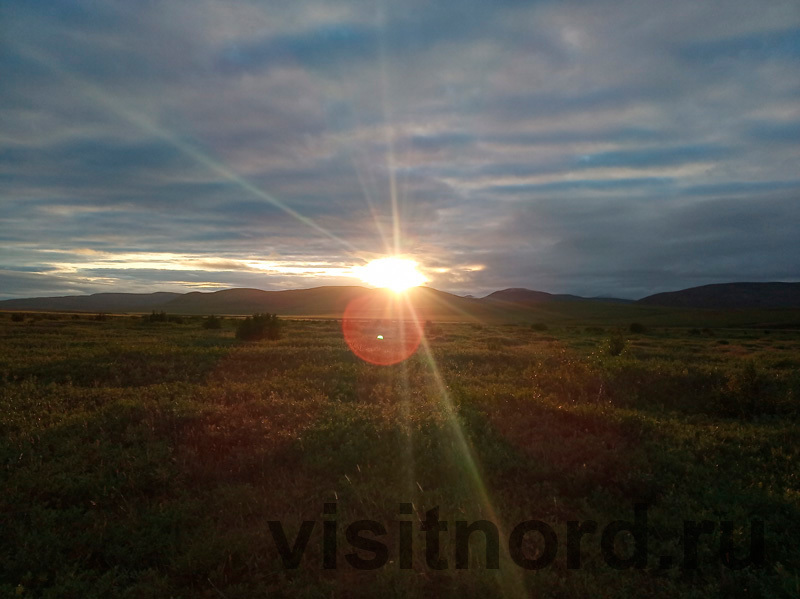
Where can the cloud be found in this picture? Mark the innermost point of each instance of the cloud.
(756, 46)
(776, 132)
(614, 148)
(647, 157)
(318, 48)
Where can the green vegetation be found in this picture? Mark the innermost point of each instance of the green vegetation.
(258, 327)
(161, 317)
(143, 459)
(637, 328)
(212, 322)
(615, 344)
(432, 329)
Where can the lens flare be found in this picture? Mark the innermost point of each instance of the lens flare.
(397, 274)
(380, 328)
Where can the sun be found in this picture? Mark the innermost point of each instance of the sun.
(397, 274)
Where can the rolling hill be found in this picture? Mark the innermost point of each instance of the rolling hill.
(518, 295)
(730, 295)
(735, 304)
(97, 302)
(315, 301)
(322, 302)
(327, 302)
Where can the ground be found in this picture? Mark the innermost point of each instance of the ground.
(148, 459)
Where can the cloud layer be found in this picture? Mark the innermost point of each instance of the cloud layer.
(600, 148)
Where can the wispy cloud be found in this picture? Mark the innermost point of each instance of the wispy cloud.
(595, 148)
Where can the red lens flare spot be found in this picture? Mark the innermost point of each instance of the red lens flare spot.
(381, 328)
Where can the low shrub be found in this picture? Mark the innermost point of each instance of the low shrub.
(748, 392)
(163, 317)
(637, 328)
(259, 326)
(212, 322)
(615, 345)
(432, 329)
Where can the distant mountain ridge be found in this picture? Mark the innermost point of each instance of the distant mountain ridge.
(328, 301)
(430, 303)
(97, 302)
(520, 295)
(249, 301)
(730, 295)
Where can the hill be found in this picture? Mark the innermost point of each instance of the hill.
(528, 296)
(506, 306)
(97, 302)
(322, 301)
(294, 302)
(730, 295)
(329, 302)
(518, 295)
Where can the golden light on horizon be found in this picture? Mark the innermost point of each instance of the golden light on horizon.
(397, 274)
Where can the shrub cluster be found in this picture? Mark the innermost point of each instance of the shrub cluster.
(212, 322)
(615, 345)
(697, 332)
(156, 317)
(163, 317)
(259, 326)
(432, 329)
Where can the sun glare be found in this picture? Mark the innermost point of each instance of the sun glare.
(397, 274)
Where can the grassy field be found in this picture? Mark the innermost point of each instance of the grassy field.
(144, 459)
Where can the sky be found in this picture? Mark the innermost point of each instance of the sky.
(602, 148)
